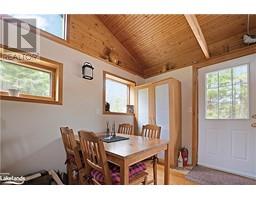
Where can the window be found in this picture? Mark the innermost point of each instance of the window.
(29, 81)
(118, 94)
(38, 81)
(227, 93)
(54, 24)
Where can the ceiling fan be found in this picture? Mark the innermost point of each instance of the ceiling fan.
(249, 38)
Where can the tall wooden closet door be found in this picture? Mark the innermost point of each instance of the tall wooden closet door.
(160, 103)
(162, 107)
(143, 107)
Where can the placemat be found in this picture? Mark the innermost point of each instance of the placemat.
(113, 139)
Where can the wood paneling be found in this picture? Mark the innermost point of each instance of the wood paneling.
(220, 27)
(154, 40)
(224, 33)
(89, 34)
(165, 42)
(228, 56)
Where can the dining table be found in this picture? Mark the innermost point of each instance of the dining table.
(133, 150)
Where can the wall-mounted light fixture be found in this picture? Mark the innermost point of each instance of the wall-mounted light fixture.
(87, 71)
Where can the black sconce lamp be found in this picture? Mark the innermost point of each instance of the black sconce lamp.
(87, 71)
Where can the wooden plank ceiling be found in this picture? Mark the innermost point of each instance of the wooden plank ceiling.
(160, 40)
(152, 44)
(156, 40)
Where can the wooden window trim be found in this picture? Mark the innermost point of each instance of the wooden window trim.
(42, 64)
(47, 34)
(119, 79)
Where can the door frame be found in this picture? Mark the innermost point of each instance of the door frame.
(195, 104)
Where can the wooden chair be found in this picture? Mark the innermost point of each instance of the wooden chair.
(97, 165)
(152, 131)
(75, 169)
(125, 129)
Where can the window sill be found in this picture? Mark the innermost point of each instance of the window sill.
(117, 113)
(30, 99)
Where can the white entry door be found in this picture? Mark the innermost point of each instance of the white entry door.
(227, 108)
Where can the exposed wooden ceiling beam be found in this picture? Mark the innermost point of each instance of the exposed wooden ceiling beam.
(195, 27)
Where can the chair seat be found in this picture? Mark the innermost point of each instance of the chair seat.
(115, 172)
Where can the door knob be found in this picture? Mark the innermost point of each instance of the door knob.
(254, 125)
(254, 116)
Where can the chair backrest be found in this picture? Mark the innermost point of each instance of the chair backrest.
(94, 153)
(68, 139)
(71, 148)
(151, 131)
(125, 129)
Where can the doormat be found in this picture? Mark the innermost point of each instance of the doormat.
(207, 176)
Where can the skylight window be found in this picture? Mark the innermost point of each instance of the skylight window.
(53, 24)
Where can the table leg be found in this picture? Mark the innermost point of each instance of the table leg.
(124, 174)
(167, 163)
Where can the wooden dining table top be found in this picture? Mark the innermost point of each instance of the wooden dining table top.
(134, 145)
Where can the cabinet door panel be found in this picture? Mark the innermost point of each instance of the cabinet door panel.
(143, 107)
(162, 111)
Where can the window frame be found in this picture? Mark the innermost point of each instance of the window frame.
(41, 64)
(232, 86)
(48, 34)
(130, 84)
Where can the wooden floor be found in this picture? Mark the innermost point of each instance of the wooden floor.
(176, 178)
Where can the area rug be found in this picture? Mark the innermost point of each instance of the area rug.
(207, 176)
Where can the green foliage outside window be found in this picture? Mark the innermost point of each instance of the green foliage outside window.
(29, 81)
(227, 94)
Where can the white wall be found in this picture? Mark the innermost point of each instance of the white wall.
(30, 136)
(185, 76)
